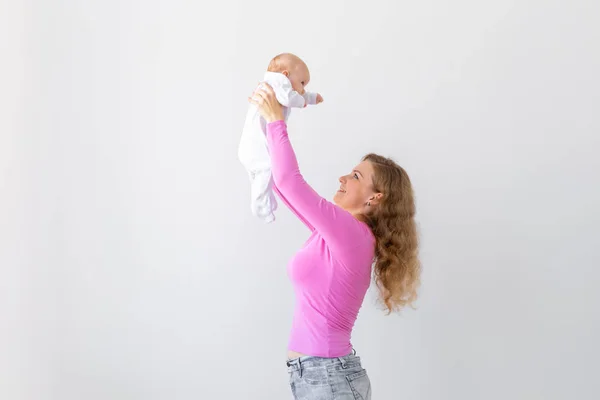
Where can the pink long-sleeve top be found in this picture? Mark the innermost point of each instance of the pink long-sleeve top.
(332, 271)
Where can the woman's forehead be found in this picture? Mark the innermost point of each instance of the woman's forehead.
(365, 168)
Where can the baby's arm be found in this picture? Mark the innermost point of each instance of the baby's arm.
(312, 98)
(288, 97)
(296, 99)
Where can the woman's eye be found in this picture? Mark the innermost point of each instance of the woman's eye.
(355, 176)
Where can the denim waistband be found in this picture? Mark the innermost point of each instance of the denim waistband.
(312, 361)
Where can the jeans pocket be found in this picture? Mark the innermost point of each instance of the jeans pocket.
(360, 385)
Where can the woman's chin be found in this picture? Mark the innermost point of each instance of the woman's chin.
(336, 199)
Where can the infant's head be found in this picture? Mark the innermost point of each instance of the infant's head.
(293, 67)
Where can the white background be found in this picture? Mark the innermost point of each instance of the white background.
(131, 267)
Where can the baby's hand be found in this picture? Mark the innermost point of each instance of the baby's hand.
(319, 98)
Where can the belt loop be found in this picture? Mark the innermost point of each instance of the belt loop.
(300, 367)
(343, 361)
(353, 351)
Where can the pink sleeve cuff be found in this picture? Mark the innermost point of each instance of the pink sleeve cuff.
(276, 124)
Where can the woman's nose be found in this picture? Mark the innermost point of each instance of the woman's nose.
(342, 179)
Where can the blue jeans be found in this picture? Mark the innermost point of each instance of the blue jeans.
(340, 378)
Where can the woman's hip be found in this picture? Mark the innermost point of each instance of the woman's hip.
(338, 378)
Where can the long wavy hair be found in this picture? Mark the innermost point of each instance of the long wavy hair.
(397, 269)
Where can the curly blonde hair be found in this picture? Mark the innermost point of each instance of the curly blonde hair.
(397, 269)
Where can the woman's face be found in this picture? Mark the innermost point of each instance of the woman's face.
(356, 189)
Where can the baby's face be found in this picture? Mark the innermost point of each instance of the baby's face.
(299, 76)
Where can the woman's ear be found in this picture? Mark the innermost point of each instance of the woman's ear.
(286, 72)
(376, 198)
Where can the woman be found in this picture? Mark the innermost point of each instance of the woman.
(370, 225)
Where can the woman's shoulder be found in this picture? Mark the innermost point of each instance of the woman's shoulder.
(356, 237)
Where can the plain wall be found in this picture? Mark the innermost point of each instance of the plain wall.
(132, 268)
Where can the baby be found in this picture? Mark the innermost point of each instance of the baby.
(288, 75)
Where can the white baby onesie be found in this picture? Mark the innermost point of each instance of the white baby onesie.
(253, 151)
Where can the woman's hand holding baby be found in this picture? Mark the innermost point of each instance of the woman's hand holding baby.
(266, 102)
